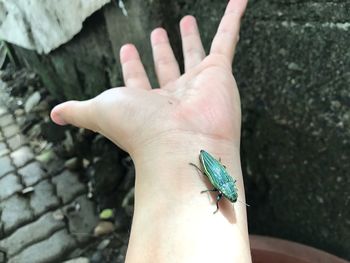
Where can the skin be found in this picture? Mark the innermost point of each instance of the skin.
(163, 130)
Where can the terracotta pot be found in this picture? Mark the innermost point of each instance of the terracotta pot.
(273, 250)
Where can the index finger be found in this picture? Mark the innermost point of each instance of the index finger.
(227, 35)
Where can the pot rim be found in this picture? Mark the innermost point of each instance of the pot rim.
(274, 246)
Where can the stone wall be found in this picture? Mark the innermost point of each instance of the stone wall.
(292, 67)
(293, 70)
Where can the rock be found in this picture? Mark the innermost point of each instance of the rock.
(97, 257)
(44, 25)
(68, 142)
(28, 122)
(34, 131)
(2, 255)
(32, 101)
(104, 243)
(46, 156)
(86, 163)
(83, 219)
(42, 106)
(128, 202)
(78, 260)
(27, 190)
(58, 215)
(103, 228)
(72, 164)
(19, 112)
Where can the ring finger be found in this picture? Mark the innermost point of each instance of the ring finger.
(165, 62)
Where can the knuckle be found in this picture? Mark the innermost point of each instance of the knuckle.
(133, 75)
(164, 61)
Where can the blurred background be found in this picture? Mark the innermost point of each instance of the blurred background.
(293, 72)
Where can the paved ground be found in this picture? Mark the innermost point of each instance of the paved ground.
(48, 223)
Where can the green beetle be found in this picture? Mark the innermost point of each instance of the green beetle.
(218, 177)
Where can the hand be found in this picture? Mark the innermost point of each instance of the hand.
(203, 102)
(199, 109)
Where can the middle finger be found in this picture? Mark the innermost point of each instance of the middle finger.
(167, 68)
(191, 42)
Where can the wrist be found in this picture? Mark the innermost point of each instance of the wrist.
(163, 173)
(175, 147)
(171, 212)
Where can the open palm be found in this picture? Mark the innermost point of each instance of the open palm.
(204, 101)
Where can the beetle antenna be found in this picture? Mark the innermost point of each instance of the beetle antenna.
(243, 202)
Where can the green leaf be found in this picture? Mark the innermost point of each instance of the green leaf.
(106, 214)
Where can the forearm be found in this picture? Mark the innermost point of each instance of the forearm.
(173, 222)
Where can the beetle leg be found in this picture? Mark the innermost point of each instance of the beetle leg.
(209, 190)
(218, 198)
(199, 169)
(221, 162)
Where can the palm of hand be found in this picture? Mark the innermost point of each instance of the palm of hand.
(204, 101)
(197, 103)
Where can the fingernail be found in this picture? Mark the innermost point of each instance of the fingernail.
(159, 35)
(58, 119)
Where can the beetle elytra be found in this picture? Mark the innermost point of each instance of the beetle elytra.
(218, 177)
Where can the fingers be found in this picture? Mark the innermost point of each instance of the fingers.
(227, 35)
(167, 69)
(191, 42)
(77, 113)
(134, 73)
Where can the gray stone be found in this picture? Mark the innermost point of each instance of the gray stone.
(72, 164)
(43, 198)
(32, 233)
(3, 257)
(22, 156)
(1, 228)
(31, 173)
(104, 228)
(82, 221)
(5, 165)
(16, 141)
(4, 152)
(292, 68)
(49, 250)
(2, 146)
(9, 184)
(44, 25)
(3, 110)
(10, 130)
(3, 149)
(32, 101)
(15, 211)
(19, 113)
(6, 120)
(68, 186)
(78, 260)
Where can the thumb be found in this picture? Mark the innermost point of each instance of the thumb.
(77, 113)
